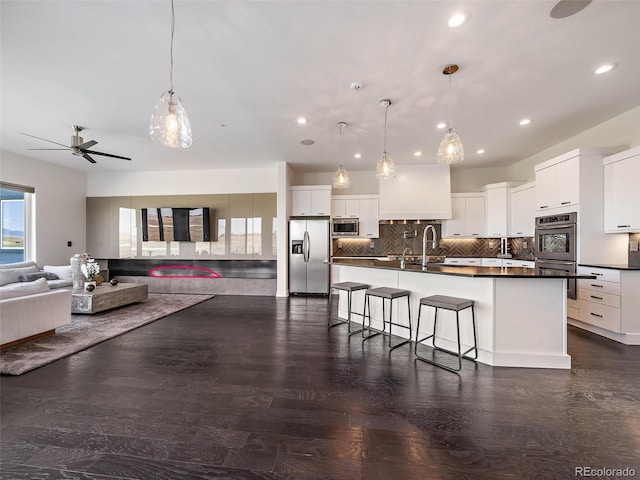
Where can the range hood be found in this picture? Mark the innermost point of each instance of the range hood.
(417, 191)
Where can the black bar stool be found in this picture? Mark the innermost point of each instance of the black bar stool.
(447, 303)
(385, 293)
(348, 287)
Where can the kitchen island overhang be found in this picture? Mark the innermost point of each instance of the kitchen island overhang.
(521, 314)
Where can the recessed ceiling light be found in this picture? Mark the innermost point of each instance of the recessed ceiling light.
(302, 121)
(525, 121)
(417, 154)
(457, 19)
(441, 125)
(307, 141)
(480, 151)
(604, 69)
(357, 155)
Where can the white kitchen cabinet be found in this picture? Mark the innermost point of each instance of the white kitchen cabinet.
(621, 174)
(312, 200)
(558, 182)
(508, 262)
(466, 261)
(523, 210)
(362, 207)
(369, 226)
(497, 211)
(467, 212)
(492, 262)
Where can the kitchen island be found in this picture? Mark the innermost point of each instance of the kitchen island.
(521, 314)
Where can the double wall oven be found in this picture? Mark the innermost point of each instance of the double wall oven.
(556, 244)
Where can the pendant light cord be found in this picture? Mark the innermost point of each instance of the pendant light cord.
(340, 152)
(385, 128)
(450, 103)
(173, 26)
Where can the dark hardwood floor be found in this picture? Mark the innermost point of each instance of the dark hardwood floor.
(257, 388)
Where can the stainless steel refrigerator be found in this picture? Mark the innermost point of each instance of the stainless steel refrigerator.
(309, 251)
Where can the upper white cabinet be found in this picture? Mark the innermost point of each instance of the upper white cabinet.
(497, 209)
(416, 192)
(558, 181)
(523, 210)
(467, 212)
(362, 207)
(621, 208)
(345, 208)
(312, 200)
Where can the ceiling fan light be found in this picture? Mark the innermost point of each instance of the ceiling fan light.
(170, 124)
(451, 150)
(341, 178)
(385, 168)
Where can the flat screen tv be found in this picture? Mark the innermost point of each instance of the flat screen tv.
(176, 225)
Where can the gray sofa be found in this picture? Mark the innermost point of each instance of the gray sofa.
(32, 302)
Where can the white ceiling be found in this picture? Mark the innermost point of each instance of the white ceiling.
(246, 70)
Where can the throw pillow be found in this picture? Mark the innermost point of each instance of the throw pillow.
(12, 275)
(24, 289)
(30, 277)
(63, 271)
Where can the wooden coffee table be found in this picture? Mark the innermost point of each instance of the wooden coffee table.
(107, 296)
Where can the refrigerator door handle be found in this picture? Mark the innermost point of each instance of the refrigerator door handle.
(305, 246)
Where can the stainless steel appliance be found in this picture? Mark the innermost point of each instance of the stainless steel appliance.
(345, 227)
(309, 251)
(556, 246)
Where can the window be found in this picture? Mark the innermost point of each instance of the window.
(15, 205)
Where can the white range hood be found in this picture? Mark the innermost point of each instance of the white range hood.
(417, 191)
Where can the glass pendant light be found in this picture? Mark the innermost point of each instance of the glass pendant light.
(385, 168)
(341, 179)
(451, 150)
(169, 124)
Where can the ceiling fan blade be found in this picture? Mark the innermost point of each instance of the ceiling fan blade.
(106, 154)
(47, 149)
(87, 145)
(40, 138)
(87, 157)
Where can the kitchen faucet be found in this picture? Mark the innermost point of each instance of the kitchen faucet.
(402, 264)
(434, 242)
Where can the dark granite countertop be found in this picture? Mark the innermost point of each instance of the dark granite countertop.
(461, 271)
(612, 266)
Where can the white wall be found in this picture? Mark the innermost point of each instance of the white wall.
(182, 182)
(362, 182)
(474, 179)
(60, 205)
(621, 131)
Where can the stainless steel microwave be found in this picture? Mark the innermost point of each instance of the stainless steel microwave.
(344, 227)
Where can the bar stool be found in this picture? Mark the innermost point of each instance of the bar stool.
(348, 287)
(447, 303)
(384, 293)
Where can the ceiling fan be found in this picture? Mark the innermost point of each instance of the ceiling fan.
(78, 146)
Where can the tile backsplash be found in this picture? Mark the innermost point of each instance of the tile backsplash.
(394, 238)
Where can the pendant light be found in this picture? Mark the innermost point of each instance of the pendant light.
(169, 124)
(341, 179)
(451, 150)
(385, 168)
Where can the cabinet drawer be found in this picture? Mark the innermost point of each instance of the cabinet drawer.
(519, 263)
(601, 316)
(597, 285)
(491, 262)
(606, 274)
(463, 261)
(599, 298)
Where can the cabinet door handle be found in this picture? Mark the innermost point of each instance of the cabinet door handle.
(595, 315)
(565, 203)
(456, 234)
(544, 206)
(475, 234)
(597, 298)
(598, 274)
(321, 213)
(624, 226)
(518, 233)
(596, 285)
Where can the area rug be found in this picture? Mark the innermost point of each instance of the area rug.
(87, 330)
